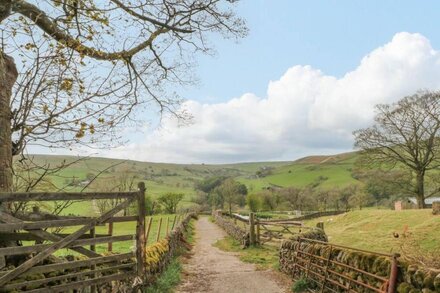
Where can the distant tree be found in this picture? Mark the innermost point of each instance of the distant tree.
(292, 196)
(169, 201)
(360, 199)
(344, 195)
(254, 202)
(229, 190)
(405, 135)
(209, 184)
(269, 200)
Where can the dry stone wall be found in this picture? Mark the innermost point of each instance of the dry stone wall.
(233, 230)
(411, 278)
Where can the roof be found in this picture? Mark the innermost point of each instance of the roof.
(428, 201)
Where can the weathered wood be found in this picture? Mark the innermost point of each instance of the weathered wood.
(93, 267)
(174, 222)
(252, 237)
(55, 223)
(67, 276)
(158, 230)
(258, 233)
(51, 196)
(75, 264)
(44, 235)
(148, 230)
(168, 226)
(141, 242)
(110, 232)
(92, 235)
(62, 243)
(16, 250)
(32, 237)
(82, 283)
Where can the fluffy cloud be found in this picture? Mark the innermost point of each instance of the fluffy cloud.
(305, 111)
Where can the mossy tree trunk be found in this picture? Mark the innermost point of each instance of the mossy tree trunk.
(8, 76)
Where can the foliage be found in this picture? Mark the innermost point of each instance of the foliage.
(167, 280)
(207, 185)
(406, 135)
(230, 192)
(300, 285)
(253, 202)
(169, 201)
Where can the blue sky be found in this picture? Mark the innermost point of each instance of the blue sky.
(330, 35)
(307, 76)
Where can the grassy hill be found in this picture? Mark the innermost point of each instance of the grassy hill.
(373, 229)
(329, 171)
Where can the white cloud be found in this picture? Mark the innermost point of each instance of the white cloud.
(305, 111)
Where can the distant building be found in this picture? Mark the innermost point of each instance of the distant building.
(411, 203)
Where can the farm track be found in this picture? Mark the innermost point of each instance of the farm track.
(212, 270)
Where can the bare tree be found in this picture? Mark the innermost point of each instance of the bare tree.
(86, 66)
(406, 135)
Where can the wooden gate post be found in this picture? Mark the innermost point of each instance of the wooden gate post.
(252, 228)
(140, 231)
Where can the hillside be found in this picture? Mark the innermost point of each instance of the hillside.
(373, 229)
(327, 171)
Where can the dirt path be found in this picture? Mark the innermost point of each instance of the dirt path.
(213, 270)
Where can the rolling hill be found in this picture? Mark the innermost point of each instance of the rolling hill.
(328, 171)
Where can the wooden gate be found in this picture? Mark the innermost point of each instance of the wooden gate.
(37, 274)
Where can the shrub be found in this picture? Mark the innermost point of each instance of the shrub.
(301, 285)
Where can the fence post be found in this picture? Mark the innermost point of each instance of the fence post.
(158, 230)
(168, 225)
(93, 267)
(393, 273)
(140, 231)
(326, 269)
(148, 230)
(252, 228)
(258, 232)
(110, 233)
(174, 222)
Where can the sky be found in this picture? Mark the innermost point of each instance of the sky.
(308, 74)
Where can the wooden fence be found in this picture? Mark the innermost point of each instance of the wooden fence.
(38, 274)
(263, 231)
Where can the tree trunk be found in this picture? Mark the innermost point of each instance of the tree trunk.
(420, 190)
(8, 76)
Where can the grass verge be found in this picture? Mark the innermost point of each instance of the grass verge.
(265, 257)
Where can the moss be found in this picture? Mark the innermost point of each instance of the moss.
(404, 288)
(437, 283)
(428, 282)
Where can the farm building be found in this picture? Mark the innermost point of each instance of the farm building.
(411, 203)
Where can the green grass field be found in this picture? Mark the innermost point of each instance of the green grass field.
(373, 229)
(125, 228)
(330, 171)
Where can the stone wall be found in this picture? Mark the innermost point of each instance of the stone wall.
(233, 230)
(411, 278)
(159, 254)
(318, 215)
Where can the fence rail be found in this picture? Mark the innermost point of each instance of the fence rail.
(332, 275)
(268, 230)
(64, 275)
